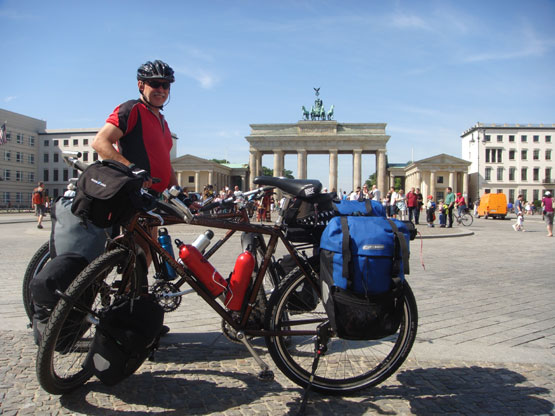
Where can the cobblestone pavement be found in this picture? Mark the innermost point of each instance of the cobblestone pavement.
(485, 342)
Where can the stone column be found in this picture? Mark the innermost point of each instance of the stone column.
(356, 168)
(211, 177)
(258, 171)
(252, 168)
(278, 162)
(381, 173)
(197, 181)
(179, 179)
(452, 181)
(419, 180)
(301, 163)
(433, 184)
(465, 186)
(333, 171)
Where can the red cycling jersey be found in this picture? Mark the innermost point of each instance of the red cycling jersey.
(146, 140)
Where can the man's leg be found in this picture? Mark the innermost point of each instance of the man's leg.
(450, 216)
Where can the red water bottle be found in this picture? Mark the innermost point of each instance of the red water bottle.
(239, 281)
(202, 269)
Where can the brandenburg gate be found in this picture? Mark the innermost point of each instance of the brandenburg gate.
(319, 135)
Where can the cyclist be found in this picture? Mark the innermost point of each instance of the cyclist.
(460, 203)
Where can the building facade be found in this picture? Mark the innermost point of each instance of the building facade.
(19, 159)
(510, 158)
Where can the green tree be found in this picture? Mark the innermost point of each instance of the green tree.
(372, 180)
(270, 172)
(220, 161)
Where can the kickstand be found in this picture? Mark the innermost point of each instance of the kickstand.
(323, 333)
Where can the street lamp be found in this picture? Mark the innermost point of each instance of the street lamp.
(477, 141)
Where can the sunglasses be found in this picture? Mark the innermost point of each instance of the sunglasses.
(157, 84)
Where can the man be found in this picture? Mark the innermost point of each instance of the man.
(419, 204)
(412, 204)
(365, 193)
(38, 200)
(547, 206)
(355, 195)
(376, 195)
(139, 130)
(393, 195)
(519, 212)
(450, 202)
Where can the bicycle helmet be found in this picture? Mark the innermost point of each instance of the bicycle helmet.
(155, 70)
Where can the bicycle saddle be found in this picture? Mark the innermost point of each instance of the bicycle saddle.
(300, 188)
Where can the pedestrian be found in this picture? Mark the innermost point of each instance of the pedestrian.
(70, 190)
(547, 207)
(393, 203)
(39, 201)
(420, 203)
(356, 195)
(450, 202)
(412, 203)
(442, 211)
(365, 192)
(476, 206)
(142, 136)
(430, 211)
(376, 194)
(401, 204)
(519, 211)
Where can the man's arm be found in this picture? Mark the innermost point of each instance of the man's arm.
(104, 142)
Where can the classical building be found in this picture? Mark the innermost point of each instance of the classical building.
(509, 158)
(319, 137)
(434, 174)
(193, 173)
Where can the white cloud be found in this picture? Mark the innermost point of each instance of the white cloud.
(405, 21)
(9, 98)
(206, 79)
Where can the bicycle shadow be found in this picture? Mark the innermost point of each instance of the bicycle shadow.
(209, 386)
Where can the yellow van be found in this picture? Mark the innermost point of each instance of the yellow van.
(493, 205)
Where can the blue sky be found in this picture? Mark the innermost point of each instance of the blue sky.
(429, 69)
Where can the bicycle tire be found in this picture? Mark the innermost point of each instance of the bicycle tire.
(347, 366)
(467, 220)
(67, 336)
(39, 259)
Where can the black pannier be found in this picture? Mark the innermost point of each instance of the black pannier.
(107, 194)
(127, 333)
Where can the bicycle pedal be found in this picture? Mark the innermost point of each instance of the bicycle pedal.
(265, 375)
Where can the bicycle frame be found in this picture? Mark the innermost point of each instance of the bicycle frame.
(221, 221)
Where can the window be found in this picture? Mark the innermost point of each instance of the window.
(32, 141)
(31, 176)
(5, 197)
(523, 138)
(66, 142)
(19, 138)
(75, 173)
(499, 174)
(488, 158)
(512, 172)
(524, 193)
(46, 158)
(536, 139)
(524, 174)
(191, 179)
(547, 175)
(95, 156)
(55, 175)
(499, 191)
(511, 138)
(440, 179)
(45, 175)
(18, 198)
(31, 159)
(7, 155)
(439, 195)
(7, 174)
(536, 193)
(511, 195)
(76, 142)
(19, 157)
(66, 175)
(85, 156)
(512, 154)
(55, 142)
(536, 174)
(499, 137)
(56, 157)
(488, 174)
(85, 142)
(18, 176)
(488, 138)
(536, 154)
(46, 143)
(524, 154)
(9, 136)
(548, 139)
(548, 154)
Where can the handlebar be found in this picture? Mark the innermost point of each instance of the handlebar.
(72, 159)
(231, 200)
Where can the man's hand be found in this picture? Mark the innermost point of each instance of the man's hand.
(143, 174)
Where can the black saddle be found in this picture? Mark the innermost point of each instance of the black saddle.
(299, 188)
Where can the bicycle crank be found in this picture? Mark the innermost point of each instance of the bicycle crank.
(167, 295)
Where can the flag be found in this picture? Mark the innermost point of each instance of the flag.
(3, 139)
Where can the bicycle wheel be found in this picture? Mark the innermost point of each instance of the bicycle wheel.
(67, 336)
(39, 259)
(347, 366)
(467, 220)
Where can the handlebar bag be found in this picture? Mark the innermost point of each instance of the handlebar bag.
(363, 261)
(107, 194)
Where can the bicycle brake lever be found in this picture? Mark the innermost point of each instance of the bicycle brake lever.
(156, 216)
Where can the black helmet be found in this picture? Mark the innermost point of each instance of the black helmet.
(155, 70)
